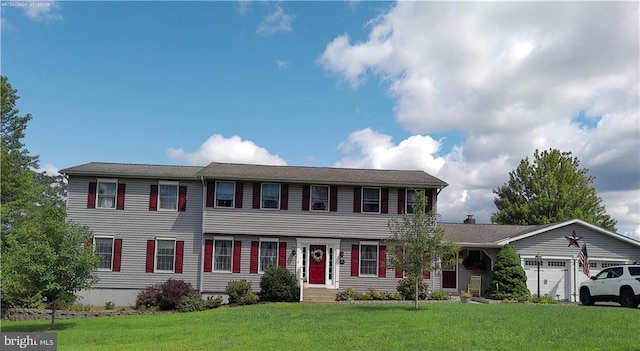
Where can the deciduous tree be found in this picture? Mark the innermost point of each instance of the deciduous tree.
(551, 188)
(423, 243)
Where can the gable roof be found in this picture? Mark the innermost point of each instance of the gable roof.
(102, 169)
(553, 226)
(321, 175)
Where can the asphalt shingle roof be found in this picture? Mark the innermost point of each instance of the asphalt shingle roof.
(323, 175)
(133, 170)
(484, 233)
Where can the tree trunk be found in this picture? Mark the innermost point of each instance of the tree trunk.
(416, 295)
(53, 315)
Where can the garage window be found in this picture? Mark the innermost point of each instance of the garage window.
(556, 263)
(530, 263)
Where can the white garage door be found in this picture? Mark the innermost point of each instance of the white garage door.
(554, 278)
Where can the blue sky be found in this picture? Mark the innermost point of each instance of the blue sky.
(463, 91)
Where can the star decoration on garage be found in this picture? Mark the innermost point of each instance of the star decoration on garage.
(573, 239)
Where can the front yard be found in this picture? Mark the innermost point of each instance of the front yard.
(293, 326)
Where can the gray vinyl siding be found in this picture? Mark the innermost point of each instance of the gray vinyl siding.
(216, 282)
(362, 284)
(135, 225)
(554, 243)
(297, 223)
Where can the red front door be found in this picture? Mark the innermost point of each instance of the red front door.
(317, 259)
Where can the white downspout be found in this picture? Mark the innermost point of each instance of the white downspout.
(204, 206)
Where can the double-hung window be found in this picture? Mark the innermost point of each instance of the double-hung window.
(368, 260)
(268, 254)
(412, 199)
(168, 196)
(106, 194)
(371, 200)
(103, 248)
(319, 198)
(165, 255)
(225, 194)
(270, 196)
(222, 255)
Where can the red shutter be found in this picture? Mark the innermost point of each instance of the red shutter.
(282, 255)
(357, 192)
(427, 275)
(333, 199)
(306, 195)
(385, 201)
(399, 273)
(208, 255)
(211, 193)
(153, 198)
(239, 189)
(355, 260)
(382, 262)
(179, 255)
(117, 254)
(121, 192)
(256, 195)
(151, 252)
(91, 198)
(253, 264)
(89, 243)
(284, 197)
(182, 198)
(237, 253)
(429, 198)
(401, 200)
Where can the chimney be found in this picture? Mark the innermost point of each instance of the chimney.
(470, 220)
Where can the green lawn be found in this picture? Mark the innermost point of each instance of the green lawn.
(437, 326)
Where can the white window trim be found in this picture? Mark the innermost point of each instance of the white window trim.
(406, 199)
(233, 195)
(115, 198)
(177, 185)
(267, 240)
(155, 257)
(112, 250)
(311, 198)
(368, 243)
(213, 256)
(362, 200)
(279, 196)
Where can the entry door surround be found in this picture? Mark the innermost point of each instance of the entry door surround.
(326, 272)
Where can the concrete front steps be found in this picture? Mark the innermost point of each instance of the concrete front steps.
(319, 295)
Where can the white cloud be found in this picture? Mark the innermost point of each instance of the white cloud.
(512, 76)
(282, 64)
(49, 169)
(42, 11)
(220, 149)
(276, 22)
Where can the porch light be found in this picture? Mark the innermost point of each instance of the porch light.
(294, 252)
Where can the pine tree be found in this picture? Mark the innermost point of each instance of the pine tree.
(508, 279)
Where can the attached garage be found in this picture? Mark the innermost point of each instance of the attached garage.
(555, 277)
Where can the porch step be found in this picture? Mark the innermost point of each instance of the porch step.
(319, 295)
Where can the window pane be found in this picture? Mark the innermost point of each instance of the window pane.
(268, 254)
(368, 260)
(168, 197)
(106, 195)
(319, 198)
(164, 257)
(411, 200)
(104, 249)
(270, 195)
(370, 200)
(224, 194)
(222, 255)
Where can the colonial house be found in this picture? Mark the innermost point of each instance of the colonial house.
(224, 222)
